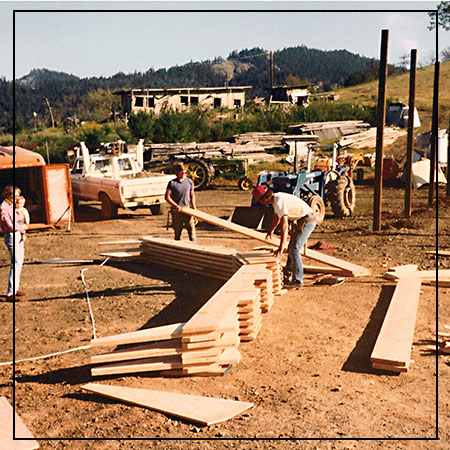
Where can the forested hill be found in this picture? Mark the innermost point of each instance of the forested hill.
(68, 94)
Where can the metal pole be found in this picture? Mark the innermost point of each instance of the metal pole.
(410, 141)
(434, 133)
(381, 113)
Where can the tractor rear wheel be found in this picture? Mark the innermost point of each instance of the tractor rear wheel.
(200, 172)
(318, 207)
(342, 196)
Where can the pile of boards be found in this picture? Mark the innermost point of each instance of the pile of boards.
(208, 343)
(329, 130)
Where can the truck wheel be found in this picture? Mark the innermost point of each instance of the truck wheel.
(109, 209)
(318, 207)
(157, 209)
(245, 184)
(199, 172)
(342, 196)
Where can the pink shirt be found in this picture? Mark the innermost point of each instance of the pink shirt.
(7, 215)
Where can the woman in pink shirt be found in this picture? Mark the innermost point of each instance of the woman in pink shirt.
(14, 239)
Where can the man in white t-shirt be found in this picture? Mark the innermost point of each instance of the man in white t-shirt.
(288, 208)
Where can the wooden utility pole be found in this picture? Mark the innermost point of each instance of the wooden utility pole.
(410, 141)
(51, 112)
(271, 70)
(447, 192)
(434, 134)
(381, 114)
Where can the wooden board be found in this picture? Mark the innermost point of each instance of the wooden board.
(196, 408)
(147, 335)
(7, 441)
(439, 252)
(396, 335)
(423, 274)
(326, 259)
(390, 367)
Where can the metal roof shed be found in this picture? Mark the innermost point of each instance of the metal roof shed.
(46, 188)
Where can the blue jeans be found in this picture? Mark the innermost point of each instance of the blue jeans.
(294, 266)
(15, 245)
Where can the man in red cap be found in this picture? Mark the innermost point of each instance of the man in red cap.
(288, 208)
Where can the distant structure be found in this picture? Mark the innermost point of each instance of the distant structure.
(179, 99)
(294, 95)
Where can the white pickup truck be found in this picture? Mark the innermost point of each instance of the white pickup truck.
(117, 179)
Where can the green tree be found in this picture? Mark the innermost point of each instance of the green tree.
(443, 16)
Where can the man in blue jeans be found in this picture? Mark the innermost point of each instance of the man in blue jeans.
(288, 208)
(14, 239)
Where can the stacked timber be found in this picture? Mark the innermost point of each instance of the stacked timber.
(216, 262)
(261, 139)
(368, 138)
(329, 130)
(207, 344)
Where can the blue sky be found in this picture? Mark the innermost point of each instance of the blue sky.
(97, 43)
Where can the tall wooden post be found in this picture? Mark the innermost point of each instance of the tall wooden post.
(381, 114)
(410, 140)
(434, 134)
(271, 70)
(447, 192)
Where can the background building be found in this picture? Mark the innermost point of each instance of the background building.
(179, 99)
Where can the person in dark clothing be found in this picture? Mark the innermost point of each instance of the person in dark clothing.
(180, 193)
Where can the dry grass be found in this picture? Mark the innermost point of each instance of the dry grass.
(398, 90)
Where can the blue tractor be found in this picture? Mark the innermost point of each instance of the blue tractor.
(317, 187)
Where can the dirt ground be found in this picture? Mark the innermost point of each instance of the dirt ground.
(308, 371)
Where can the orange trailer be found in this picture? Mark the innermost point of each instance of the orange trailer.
(46, 187)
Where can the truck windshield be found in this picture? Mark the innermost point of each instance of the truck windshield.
(103, 166)
(124, 165)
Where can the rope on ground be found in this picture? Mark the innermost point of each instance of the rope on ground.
(84, 347)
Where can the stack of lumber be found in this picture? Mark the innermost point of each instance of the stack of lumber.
(252, 145)
(368, 138)
(329, 130)
(216, 262)
(208, 343)
(261, 139)
(392, 350)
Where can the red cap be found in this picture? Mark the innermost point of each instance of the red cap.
(259, 191)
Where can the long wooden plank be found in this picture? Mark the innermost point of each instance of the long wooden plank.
(326, 259)
(147, 335)
(423, 274)
(8, 419)
(196, 408)
(396, 335)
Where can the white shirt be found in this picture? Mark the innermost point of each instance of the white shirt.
(290, 205)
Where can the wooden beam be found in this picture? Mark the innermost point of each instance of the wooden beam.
(275, 242)
(394, 342)
(196, 408)
(23, 439)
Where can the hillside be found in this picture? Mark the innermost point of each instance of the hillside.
(67, 93)
(398, 90)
